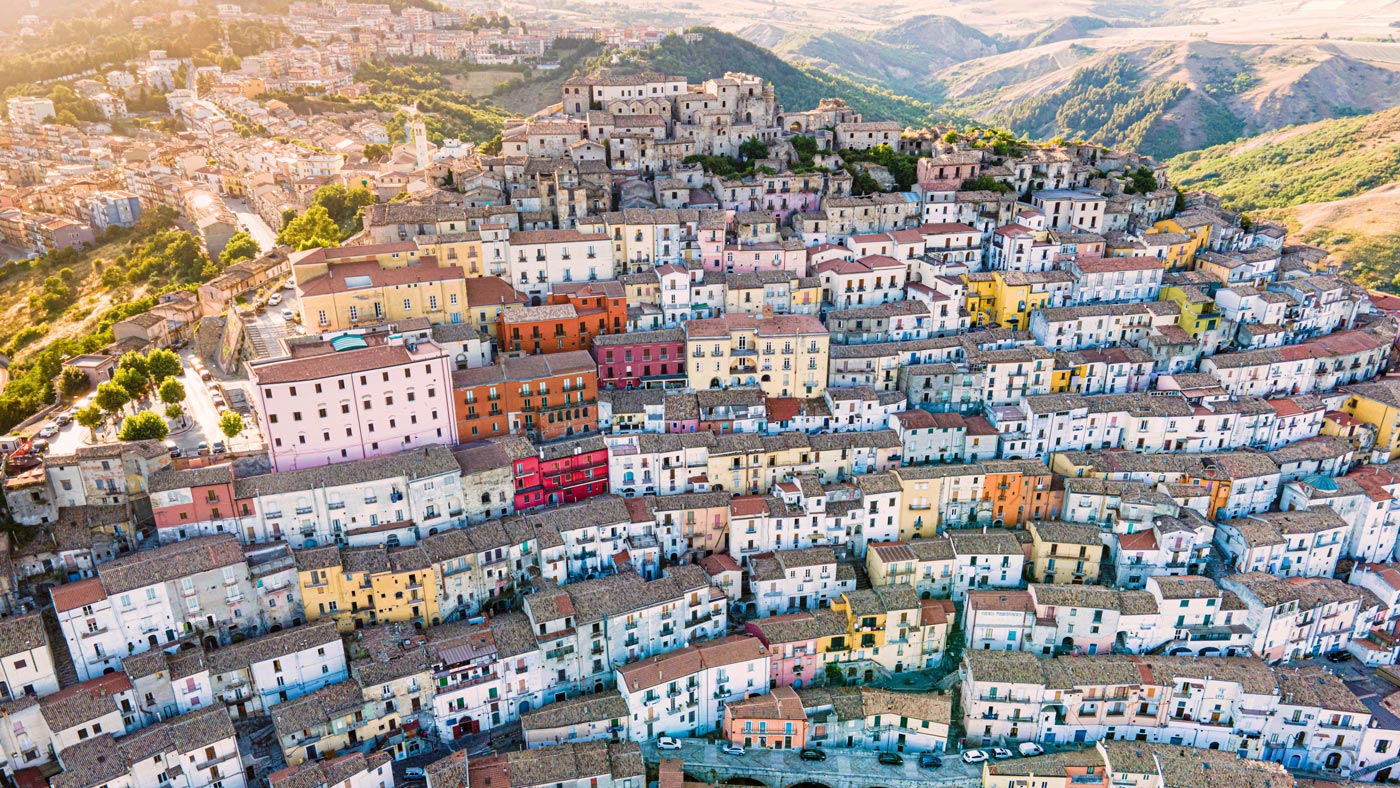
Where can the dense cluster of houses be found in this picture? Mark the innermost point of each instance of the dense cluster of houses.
(612, 447)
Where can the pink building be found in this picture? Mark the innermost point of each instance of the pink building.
(353, 396)
(797, 644)
(180, 500)
(786, 255)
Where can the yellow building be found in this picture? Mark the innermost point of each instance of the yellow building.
(1065, 553)
(1006, 299)
(1378, 405)
(784, 355)
(932, 495)
(464, 250)
(362, 586)
(1198, 312)
(1196, 224)
(369, 285)
(888, 625)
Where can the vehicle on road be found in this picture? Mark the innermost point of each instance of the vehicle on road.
(289, 285)
(274, 299)
(1030, 748)
(202, 449)
(929, 760)
(48, 431)
(173, 448)
(1339, 656)
(63, 419)
(219, 447)
(812, 754)
(288, 315)
(1001, 753)
(974, 756)
(732, 749)
(413, 772)
(891, 759)
(667, 743)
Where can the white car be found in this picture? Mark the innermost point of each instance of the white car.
(1001, 753)
(49, 431)
(274, 299)
(1030, 748)
(732, 749)
(288, 315)
(974, 756)
(667, 743)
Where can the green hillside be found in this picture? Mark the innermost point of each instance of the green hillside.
(1333, 182)
(1331, 160)
(797, 86)
(1113, 103)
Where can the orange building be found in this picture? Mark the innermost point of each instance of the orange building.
(541, 397)
(602, 306)
(536, 330)
(1017, 491)
(775, 720)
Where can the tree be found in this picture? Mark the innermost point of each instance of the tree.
(314, 229)
(133, 360)
(230, 424)
(240, 247)
(72, 382)
(132, 381)
(175, 412)
(162, 365)
(753, 148)
(834, 676)
(111, 397)
(376, 151)
(344, 205)
(172, 391)
(144, 426)
(950, 137)
(90, 417)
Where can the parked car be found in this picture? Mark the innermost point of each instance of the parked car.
(1030, 748)
(202, 448)
(288, 315)
(667, 743)
(413, 772)
(732, 749)
(929, 760)
(812, 754)
(48, 431)
(974, 756)
(1001, 753)
(219, 447)
(891, 759)
(274, 299)
(173, 448)
(62, 419)
(289, 285)
(1339, 656)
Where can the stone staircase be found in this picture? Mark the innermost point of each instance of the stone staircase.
(63, 661)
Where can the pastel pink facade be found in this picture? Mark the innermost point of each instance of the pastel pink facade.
(790, 256)
(368, 398)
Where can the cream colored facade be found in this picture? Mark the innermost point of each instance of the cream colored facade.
(785, 356)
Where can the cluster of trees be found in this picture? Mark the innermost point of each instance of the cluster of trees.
(334, 215)
(447, 113)
(54, 296)
(903, 167)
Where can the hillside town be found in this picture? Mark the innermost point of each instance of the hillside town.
(683, 437)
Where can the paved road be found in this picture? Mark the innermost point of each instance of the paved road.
(842, 766)
(252, 223)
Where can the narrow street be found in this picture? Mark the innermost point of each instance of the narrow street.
(252, 223)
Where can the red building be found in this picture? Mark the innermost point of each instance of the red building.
(564, 472)
(645, 359)
(191, 502)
